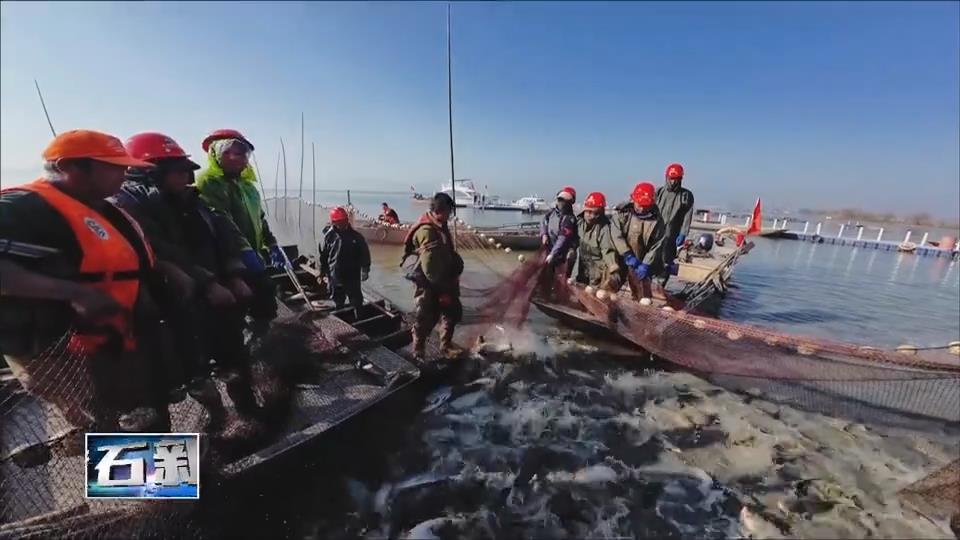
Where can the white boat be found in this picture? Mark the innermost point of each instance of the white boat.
(463, 192)
(532, 204)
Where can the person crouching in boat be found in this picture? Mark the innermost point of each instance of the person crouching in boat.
(638, 234)
(436, 274)
(198, 253)
(597, 263)
(229, 185)
(76, 276)
(558, 235)
(675, 204)
(344, 259)
(388, 215)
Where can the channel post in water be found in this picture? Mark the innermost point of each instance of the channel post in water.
(143, 465)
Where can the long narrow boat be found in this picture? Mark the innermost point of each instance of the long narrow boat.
(43, 470)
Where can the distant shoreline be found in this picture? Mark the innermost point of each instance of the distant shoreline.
(919, 220)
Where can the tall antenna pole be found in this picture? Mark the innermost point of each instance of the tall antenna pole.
(276, 182)
(44, 105)
(313, 151)
(256, 167)
(453, 177)
(300, 194)
(283, 152)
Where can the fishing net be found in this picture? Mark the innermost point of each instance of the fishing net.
(45, 410)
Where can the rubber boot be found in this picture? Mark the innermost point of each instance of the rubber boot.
(206, 393)
(241, 393)
(447, 347)
(419, 346)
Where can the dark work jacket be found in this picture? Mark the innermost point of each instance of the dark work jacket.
(184, 231)
(343, 254)
(561, 229)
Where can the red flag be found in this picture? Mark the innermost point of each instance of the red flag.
(757, 220)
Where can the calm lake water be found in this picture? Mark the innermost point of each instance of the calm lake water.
(861, 295)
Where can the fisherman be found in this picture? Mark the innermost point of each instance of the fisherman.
(344, 259)
(597, 255)
(558, 234)
(198, 249)
(75, 265)
(675, 204)
(638, 234)
(388, 215)
(230, 186)
(437, 276)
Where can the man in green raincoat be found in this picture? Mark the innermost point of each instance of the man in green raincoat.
(229, 185)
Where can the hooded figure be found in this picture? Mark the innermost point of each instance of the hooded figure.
(676, 208)
(558, 234)
(229, 185)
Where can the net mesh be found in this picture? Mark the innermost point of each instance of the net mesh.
(46, 407)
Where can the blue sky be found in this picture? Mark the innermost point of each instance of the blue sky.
(805, 104)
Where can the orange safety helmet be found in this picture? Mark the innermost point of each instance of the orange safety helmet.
(338, 215)
(595, 201)
(568, 194)
(675, 171)
(644, 194)
(221, 134)
(89, 144)
(152, 146)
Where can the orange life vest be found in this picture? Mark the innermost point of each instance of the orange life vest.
(109, 264)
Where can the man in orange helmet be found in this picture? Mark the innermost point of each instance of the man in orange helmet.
(597, 263)
(79, 268)
(344, 259)
(198, 250)
(638, 234)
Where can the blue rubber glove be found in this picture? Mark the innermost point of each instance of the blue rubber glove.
(681, 238)
(631, 261)
(641, 271)
(276, 257)
(252, 261)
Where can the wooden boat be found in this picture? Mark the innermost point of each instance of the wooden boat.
(704, 278)
(42, 492)
(514, 237)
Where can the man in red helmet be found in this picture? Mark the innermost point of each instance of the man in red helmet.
(229, 185)
(198, 251)
(76, 289)
(597, 263)
(344, 259)
(558, 234)
(675, 203)
(638, 234)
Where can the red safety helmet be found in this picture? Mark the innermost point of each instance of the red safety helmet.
(152, 146)
(643, 194)
(221, 134)
(675, 171)
(339, 215)
(595, 201)
(568, 194)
